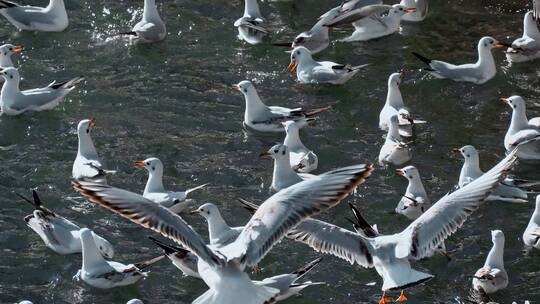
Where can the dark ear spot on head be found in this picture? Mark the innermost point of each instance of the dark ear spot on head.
(245, 90)
(485, 44)
(87, 130)
(153, 168)
(410, 176)
(283, 152)
(11, 76)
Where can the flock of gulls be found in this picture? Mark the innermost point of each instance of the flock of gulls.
(224, 261)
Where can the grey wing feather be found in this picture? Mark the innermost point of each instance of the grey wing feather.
(359, 14)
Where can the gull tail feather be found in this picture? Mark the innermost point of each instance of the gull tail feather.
(307, 268)
(361, 225)
(67, 84)
(358, 67)
(168, 249)
(422, 58)
(249, 206)
(188, 191)
(314, 112)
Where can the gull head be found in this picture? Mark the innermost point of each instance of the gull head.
(104, 247)
(10, 49)
(276, 152)
(491, 43)
(246, 87)
(10, 74)
(297, 55)
(207, 211)
(395, 79)
(399, 9)
(86, 125)
(409, 172)
(497, 235)
(151, 164)
(516, 102)
(467, 151)
(290, 126)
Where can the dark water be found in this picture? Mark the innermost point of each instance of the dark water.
(172, 100)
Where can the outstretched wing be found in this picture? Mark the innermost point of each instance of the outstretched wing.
(285, 209)
(449, 213)
(149, 215)
(327, 238)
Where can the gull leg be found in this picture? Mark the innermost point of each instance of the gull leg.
(384, 299)
(402, 298)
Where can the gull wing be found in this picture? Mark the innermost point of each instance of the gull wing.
(148, 214)
(285, 209)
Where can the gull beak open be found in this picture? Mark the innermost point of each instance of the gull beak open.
(501, 45)
(505, 100)
(400, 172)
(195, 212)
(292, 66)
(18, 49)
(139, 164)
(265, 154)
(92, 122)
(410, 10)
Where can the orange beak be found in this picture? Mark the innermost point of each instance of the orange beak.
(195, 212)
(236, 87)
(400, 172)
(456, 150)
(501, 45)
(505, 100)
(18, 49)
(265, 154)
(92, 122)
(410, 10)
(292, 66)
(139, 164)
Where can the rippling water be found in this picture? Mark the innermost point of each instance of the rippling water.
(173, 100)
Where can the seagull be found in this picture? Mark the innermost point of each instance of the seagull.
(522, 133)
(58, 233)
(528, 46)
(415, 201)
(251, 25)
(284, 176)
(531, 236)
(263, 118)
(492, 277)
(394, 106)
(6, 51)
(134, 301)
(222, 267)
(372, 21)
(180, 257)
(394, 150)
(347, 6)
(301, 158)
(536, 10)
(52, 18)
(151, 28)
(480, 72)
(13, 101)
(87, 164)
(311, 71)
(420, 13)
(510, 190)
(219, 232)
(100, 273)
(391, 255)
(154, 190)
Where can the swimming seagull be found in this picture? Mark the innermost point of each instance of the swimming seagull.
(528, 46)
(372, 21)
(531, 236)
(58, 233)
(222, 268)
(522, 133)
(219, 232)
(13, 101)
(87, 164)
(100, 273)
(421, 7)
(483, 70)
(251, 25)
(154, 190)
(6, 51)
(301, 158)
(263, 118)
(180, 257)
(284, 176)
(151, 28)
(394, 106)
(510, 190)
(492, 277)
(52, 18)
(415, 200)
(311, 71)
(394, 151)
(391, 255)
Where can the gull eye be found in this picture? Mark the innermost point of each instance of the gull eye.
(148, 163)
(245, 90)
(297, 52)
(283, 153)
(100, 247)
(491, 42)
(401, 8)
(11, 49)
(276, 151)
(87, 130)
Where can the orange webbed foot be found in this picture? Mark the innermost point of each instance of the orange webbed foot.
(402, 298)
(385, 300)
